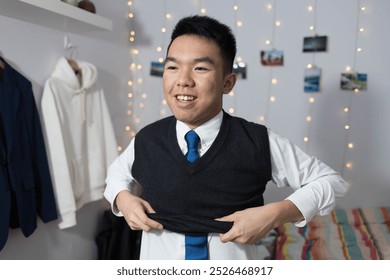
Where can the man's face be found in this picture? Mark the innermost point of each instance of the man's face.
(194, 80)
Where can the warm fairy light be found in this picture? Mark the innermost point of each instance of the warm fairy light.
(163, 112)
(130, 83)
(278, 23)
(235, 7)
(131, 39)
(363, 8)
(127, 128)
(141, 105)
(348, 68)
(311, 27)
(309, 66)
(163, 30)
(308, 118)
(359, 49)
(346, 109)
(350, 145)
(119, 149)
(203, 11)
(311, 99)
(348, 165)
(131, 15)
(347, 127)
(129, 3)
(231, 110)
(144, 95)
(268, 42)
(272, 98)
(239, 23)
(306, 139)
(274, 81)
(159, 49)
(310, 8)
(168, 16)
(161, 60)
(269, 6)
(129, 112)
(356, 90)
(130, 95)
(262, 118)
(361, 29)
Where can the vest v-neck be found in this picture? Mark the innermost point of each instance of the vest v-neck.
(205, 159)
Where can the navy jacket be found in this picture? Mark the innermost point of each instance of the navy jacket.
(25, 183)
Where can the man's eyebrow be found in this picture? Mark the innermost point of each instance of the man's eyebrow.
(200, 59)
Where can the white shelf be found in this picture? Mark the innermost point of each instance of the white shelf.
(55, 14)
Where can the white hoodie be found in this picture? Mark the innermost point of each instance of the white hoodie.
(80, 137)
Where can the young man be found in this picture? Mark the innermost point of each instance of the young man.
(210, 205)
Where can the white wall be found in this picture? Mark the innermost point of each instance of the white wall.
(34, 50)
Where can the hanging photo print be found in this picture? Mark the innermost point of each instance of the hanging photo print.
(315, 44)
(312, 79)
(353, 81)
(156, 69)
(272, 58)
(240, 69)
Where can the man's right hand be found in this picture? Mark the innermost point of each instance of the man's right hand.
(134, 211)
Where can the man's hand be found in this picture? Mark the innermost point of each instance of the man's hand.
(134, 211)
(252, 224)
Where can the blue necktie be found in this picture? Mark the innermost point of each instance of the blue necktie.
(196, 246)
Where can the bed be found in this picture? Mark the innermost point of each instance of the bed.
(357, 234)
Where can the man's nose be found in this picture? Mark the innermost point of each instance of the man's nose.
(185, 80)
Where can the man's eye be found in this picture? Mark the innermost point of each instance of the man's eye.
(171, 67)
(201, 69)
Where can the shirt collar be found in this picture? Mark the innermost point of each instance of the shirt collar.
(207, 132)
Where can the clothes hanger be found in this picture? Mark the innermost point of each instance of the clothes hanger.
(70, 51)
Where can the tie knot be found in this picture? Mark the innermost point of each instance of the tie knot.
(192, 140)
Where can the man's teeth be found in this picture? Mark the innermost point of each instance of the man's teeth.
(185, 98)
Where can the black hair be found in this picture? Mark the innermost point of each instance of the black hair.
(208, 28)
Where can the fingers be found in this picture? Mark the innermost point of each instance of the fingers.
(138, 220)
(134, 210)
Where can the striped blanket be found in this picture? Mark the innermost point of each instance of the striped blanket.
(356, 234)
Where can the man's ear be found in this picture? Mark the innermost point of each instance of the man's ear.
(229, 83)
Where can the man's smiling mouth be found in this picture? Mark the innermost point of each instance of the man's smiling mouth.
(185, 97)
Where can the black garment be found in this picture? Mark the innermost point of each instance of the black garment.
(188, 197)
(116, 240)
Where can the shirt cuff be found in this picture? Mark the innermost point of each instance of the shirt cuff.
(308, 207)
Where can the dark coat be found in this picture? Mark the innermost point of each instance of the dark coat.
(25, 184)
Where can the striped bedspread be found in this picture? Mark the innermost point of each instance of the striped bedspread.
(358, 234)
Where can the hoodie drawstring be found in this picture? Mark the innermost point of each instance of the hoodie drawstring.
(81, 92)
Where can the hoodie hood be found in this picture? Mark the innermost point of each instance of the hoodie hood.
(65, 72)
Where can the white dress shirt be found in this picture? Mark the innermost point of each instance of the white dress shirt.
(316, 187)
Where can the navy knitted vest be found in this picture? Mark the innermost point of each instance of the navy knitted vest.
(188, 197)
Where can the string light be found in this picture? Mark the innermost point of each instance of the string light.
(312, 10)
(135, 82)
(349, 145)
(238, 60)
(271, 44)
(202, 9)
